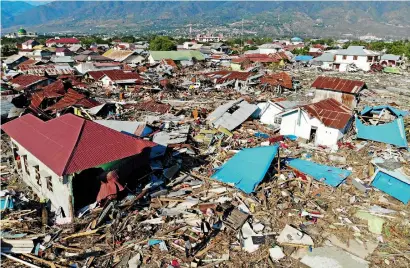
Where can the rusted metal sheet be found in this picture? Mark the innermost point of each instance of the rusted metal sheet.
(338, 84)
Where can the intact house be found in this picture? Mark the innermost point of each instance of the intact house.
(69, 161)
(343, 90)
(358, 56)
(29, 44)
(390, 60)
(323, 123)
(113, 78)
(67, 42)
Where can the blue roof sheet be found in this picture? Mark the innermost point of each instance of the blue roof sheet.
(247, 168)
(332, 176)
(303, 58)
(390, 133)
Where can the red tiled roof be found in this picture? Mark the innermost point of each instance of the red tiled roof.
(72, 40)
(69, 144)
(23, 81)
(330, 112)
(282, 78)
(338, 84)
(153, 106)
(73, 98)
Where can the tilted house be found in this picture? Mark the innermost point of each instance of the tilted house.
(66, 159)
(324, 122)
(343, 90)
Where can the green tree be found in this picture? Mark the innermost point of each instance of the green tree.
(162, 43)
(301, 51)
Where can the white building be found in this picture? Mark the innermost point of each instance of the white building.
(271, 112)
(323, 123)
(357, 55)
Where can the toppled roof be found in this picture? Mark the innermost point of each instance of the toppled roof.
(57, 86)
(392, 132)
(338, 84)
(247, 168)
(330, 112)
(169, 62)
(223, 76)
(118, 55)
(73, 98)
(23, 81)
(71, 40)
(263, 58)
(230, 115)
(180, 55)
(283, 79)
(13, 58)
(114, 75)
(69, 144)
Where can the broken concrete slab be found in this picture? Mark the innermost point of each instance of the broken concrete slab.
(354, 247)
(332, 257)
(290, 235)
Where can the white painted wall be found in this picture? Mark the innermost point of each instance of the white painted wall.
(269, 113)
(299, 124)
(361, 62)
(106, 81)
(296, 123)
(60, 196)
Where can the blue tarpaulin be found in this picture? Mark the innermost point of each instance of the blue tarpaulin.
(332, 176)
(247, 168)
(303, 58)
(391, 133)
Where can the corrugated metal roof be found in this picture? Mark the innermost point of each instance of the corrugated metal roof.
(338, 84)
(73, 98)
(330, 112)
(23, 81)
(283, 79)
(230, 120)
(72, 40)
(69, 144)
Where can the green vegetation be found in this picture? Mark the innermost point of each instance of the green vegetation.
(8, 50)
(301, 51)
(162, 43)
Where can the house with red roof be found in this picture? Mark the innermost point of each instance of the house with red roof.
(27, 82)
(322, 123)
(114, 78)
(73, 162)
(63, 41)
(343, 90)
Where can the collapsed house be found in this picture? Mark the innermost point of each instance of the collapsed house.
(231, 114)
(67, 159)
(342, 90)
(324, 122)
(383, 124)
(271, 111)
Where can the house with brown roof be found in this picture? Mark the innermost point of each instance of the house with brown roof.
(343, 90)
(74, 162)
(323, 123)
(27, 82)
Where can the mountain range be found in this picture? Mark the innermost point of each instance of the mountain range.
(310, 18)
